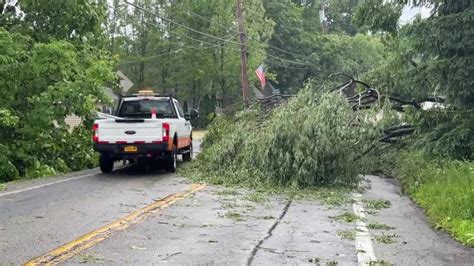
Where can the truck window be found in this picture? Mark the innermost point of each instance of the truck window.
(143, 108)
(180, 109)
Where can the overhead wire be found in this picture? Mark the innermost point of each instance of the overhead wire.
(179, 24)
(162, 27)
(235, 30)
(184, 36)
(214, 37)
(167, 53)
(180, 48)
(210, 46)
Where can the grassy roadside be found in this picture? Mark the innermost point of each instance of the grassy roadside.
(444, 189)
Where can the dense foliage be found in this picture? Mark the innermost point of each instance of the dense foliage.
(305, 52)
(316, 139)
(49, 69)
(434, 57)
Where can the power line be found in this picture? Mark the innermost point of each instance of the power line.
(289, 61)
(206, 19)
(210, 45)
(184, 35)
(166, 30)
(162, 27)
(171, 52)
(214, 37)
(280, 64)
(180, 25)
(250, 39)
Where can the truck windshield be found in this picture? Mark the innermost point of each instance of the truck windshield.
(143, 109)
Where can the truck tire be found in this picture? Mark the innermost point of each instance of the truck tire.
(106, 164)
(187, 157)
(172, 160)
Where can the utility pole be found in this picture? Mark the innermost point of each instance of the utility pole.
(323, 18)
(243, 53)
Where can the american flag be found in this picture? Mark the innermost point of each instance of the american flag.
(261, 75)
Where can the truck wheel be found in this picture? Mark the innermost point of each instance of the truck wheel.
(187, 157)
(106, 164)
(172, 160)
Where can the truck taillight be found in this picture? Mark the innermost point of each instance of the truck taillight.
(166, 132)
(95, 128)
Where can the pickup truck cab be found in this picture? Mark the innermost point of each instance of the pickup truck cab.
(148, 127)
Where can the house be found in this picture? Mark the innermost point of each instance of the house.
(125, 85)
(267, 91)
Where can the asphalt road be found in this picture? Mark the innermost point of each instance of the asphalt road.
(216, 225)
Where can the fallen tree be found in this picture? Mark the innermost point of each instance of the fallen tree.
(313, 140)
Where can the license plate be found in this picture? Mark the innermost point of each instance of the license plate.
(130, 149)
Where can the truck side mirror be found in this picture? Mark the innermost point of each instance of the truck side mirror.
(192, 114)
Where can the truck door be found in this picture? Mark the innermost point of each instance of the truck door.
(183, 127)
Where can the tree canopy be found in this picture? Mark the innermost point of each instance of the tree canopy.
(51, 66)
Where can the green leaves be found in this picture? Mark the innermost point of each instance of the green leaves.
(311, 141)
(444, 188)
(43, 83)
(429, 58)
(51, 66)
(435, 36)
(8, 118)
(378, 16)
(78, 21)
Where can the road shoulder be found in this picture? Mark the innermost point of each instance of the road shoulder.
(411, 241)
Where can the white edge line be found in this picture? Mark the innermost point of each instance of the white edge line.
(363, 240)
(45, 185)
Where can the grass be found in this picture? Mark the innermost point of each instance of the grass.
(229, 205)
(2, 187)
(347, 217)
(329, 196)
(377, 204)
(88, 259)
(445, 189)
(256, 196)
(347, 234)
(386, 239)
(234, 216)
(378, 226)
(227, 192)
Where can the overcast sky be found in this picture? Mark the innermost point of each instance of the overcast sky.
(410, 13)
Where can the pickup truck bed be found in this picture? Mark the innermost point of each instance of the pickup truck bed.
(141, 135)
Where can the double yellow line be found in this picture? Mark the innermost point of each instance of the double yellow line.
(88, 240)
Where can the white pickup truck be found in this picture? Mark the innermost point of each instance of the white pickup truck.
(148, 128)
